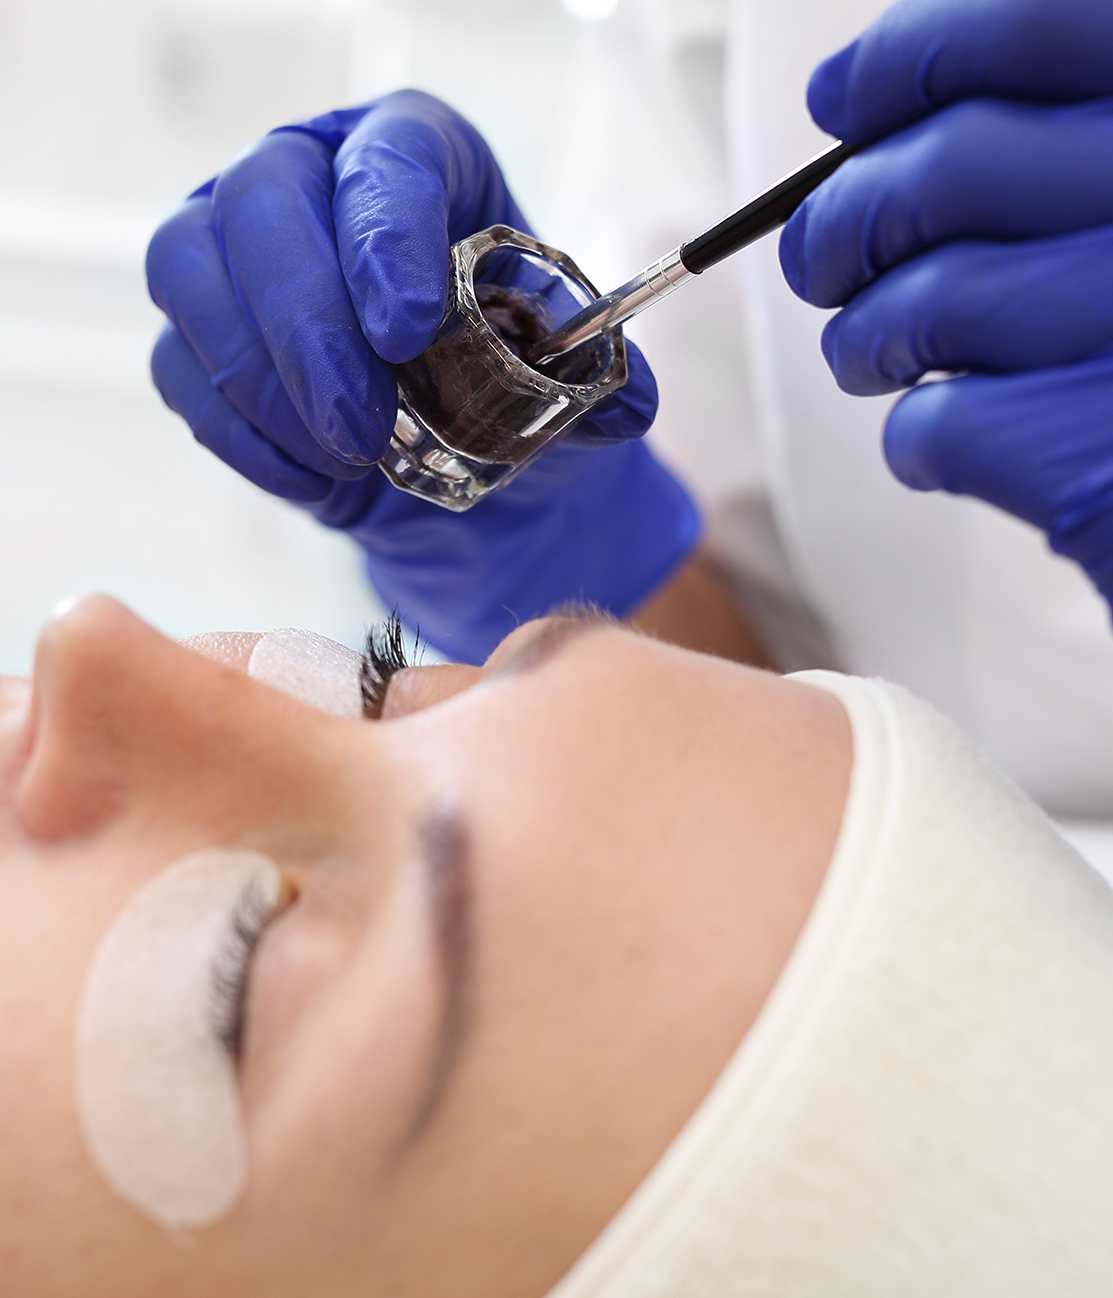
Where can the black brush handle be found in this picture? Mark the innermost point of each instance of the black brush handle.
(761, 215)
(764, 213)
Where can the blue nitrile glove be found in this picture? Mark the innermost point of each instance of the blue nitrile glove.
(977, 236)
(294, 282)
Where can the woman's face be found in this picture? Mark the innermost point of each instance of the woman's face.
(528, 917)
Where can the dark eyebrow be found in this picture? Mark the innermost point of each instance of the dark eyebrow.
(563, 625)
(446, 857)
(445, 852)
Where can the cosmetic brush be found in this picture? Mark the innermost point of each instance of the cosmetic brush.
(769, 210)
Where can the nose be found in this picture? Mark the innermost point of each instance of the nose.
(125, 722)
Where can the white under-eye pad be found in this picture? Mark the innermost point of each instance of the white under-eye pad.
(311, 668)
(233, 648)
(157, 1094)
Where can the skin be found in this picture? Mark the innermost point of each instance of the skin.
(646, 830)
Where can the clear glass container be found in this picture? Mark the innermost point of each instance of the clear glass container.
(472, 414)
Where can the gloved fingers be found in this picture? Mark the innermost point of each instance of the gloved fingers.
(189, 281)
(392, 232)
(922, 54)
(351, 505)
(980, 169)
(332, 128)
(1023, 442)
(626, 415)
(411, 179)
(186, 388)
(272, 214)
(1083, 527)
(977, 306)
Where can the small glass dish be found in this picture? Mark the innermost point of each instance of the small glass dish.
(472, 414)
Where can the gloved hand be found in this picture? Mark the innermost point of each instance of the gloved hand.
(977, 236)
(298, 278)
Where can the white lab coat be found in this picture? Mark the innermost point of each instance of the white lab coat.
(635, 133)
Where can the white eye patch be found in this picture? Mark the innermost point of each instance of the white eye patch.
(157, 1095)
(311, 668)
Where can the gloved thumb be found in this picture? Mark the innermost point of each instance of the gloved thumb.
(411, 179)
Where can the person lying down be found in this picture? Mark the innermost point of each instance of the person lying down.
(606, 969)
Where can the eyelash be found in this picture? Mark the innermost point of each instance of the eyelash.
(232, 967)
(385, 654)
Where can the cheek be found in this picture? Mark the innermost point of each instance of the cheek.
(49, 1194)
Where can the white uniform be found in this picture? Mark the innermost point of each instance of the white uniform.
(632, 135)
(964, 605)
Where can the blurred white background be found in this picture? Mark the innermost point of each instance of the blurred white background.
(116, 109)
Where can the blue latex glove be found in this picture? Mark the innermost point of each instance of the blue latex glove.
(298, 278)
(977, 236)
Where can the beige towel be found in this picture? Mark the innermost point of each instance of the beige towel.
(925, 1104)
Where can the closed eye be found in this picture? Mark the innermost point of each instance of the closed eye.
(231, 967)
(384, 655)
